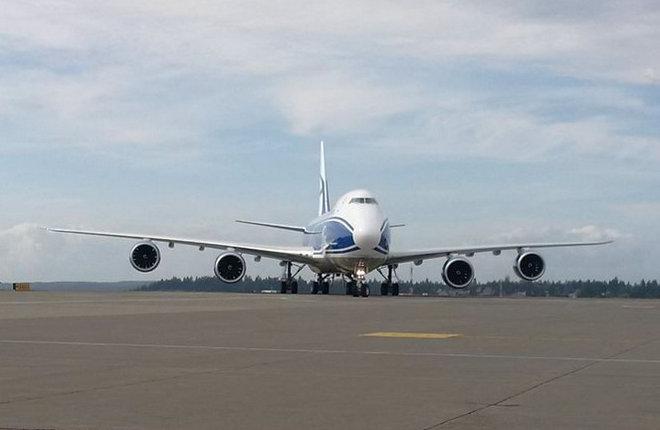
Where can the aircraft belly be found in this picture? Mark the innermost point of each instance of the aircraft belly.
(348, 263)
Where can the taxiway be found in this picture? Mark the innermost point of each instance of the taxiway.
(172, 361)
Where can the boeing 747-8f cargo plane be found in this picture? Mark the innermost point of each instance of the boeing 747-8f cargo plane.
(351, 240)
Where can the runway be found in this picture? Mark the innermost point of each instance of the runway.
(171, 361)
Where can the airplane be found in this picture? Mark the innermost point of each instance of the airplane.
(351, 240)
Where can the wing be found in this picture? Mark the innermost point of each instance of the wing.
(420, 255)
(293, 254)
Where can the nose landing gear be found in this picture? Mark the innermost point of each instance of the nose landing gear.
(360, 287)
(357, 289)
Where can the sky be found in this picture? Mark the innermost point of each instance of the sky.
(474, 123)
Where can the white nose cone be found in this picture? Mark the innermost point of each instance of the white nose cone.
(366, 237)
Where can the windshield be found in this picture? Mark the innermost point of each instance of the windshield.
(364, 200)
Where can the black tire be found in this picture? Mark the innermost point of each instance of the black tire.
(283, 287)
(364, 290)
(325, 288)
(355, 290)
(349, 288)
(315, 287)
(383, 289)
(294, 287)
(395, 289)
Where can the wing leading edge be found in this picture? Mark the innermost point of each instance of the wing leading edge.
(420, 255)
(293, 254)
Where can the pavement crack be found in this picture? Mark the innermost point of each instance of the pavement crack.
(501, 402)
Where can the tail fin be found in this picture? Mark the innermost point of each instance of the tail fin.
(324, 198)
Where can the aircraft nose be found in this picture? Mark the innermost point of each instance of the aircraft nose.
(366, 238)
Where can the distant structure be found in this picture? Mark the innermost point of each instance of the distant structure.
(22, 286)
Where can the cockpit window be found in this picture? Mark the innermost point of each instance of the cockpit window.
(364, 200)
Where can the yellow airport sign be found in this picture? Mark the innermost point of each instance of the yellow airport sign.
(22, 286)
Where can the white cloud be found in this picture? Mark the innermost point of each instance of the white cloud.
(596, 233)
(25, 249)
(335, 103)
(274, 37)
(320, 66)
(550, 233)
(651, 75)
(513, 135)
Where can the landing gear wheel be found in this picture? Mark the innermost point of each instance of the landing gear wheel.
(355, 290)
(315, 288)
(288, 281)
(364, 290)
(383, 289)
(325, 288)
(349, 288)
(388, 286)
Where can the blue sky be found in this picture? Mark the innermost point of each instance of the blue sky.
(473, 122)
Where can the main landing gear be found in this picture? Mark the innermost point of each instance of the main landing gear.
(350, 286)
(321, 285)
(388, 285)
(289, 282)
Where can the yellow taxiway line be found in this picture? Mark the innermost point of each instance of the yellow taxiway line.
(408, 335)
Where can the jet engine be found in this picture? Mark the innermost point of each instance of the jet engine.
(145, 257)
(529, 266)
(457, 272)
(230, 267)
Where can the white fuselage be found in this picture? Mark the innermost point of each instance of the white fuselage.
(352, 238)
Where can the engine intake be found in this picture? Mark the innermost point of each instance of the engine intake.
(230, 267)
(457, 272)
(529, 266)
(145, 257)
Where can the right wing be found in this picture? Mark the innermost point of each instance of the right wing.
(293, 254)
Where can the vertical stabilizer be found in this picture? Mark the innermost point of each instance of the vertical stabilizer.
(324, 198)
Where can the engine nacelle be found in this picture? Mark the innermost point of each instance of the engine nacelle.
(529, 266)
(145, 257)
(230, 267)
(457, 272)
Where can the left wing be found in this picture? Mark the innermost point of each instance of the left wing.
(293, 254)
(420, 255)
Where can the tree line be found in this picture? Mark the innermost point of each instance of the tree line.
(578, 288)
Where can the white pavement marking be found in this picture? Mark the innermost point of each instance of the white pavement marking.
(332, 351)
